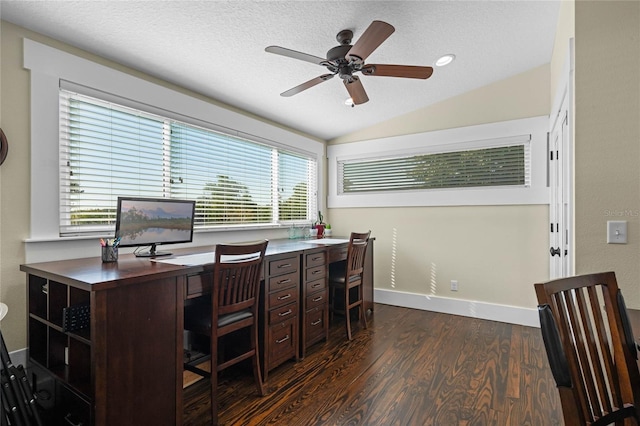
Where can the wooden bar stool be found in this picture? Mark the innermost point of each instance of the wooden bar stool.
(345, 278)
(234, 306)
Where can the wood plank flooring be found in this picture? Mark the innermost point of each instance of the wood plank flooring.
(410, 367)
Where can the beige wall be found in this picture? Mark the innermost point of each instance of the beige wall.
(14, 186)
(521, 96)
(607, 138)
(495, 253)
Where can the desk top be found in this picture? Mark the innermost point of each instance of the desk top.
(92, 274)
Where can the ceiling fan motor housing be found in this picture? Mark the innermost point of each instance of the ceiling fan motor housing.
(338, 53)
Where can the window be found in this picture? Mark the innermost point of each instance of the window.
(501, 163)
(109, 150)
(497, 166)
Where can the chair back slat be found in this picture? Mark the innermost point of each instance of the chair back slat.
(356, 255)
(605, 382)
(237, 272)
(598, 347)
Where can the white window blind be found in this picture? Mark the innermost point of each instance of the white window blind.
(108, 150)
(495, 166)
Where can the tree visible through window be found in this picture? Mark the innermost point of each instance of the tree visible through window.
(108, 150)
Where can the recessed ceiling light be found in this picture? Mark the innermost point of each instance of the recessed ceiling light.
(445, 60)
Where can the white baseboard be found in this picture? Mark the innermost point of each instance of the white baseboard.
(467, 308)
(19, 357)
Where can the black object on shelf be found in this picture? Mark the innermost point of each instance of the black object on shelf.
(76, 317)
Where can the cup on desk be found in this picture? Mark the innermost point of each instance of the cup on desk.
(109, 253)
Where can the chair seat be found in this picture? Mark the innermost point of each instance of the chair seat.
(199, 317)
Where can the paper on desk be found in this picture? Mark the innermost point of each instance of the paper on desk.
(327, 241)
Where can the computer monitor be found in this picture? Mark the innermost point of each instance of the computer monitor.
(154, 221)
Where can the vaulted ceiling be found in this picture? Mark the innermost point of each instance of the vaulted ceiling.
(217, 48)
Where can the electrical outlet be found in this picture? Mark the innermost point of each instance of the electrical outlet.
(454, 285)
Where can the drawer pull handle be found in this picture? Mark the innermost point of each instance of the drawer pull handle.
(316, 285)
(317, 299)
(284, 339)
(316, 322)
(285, 297)
(316, 258)
(285, 265)
(288, 280)
(315, 272)
(71, 420)
(284, 314)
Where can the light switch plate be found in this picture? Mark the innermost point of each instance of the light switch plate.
(617, 232)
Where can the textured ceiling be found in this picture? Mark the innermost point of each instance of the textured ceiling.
(217, 48)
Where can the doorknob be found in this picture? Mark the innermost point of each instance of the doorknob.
(555, 251)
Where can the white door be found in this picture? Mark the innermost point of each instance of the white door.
(561, 178)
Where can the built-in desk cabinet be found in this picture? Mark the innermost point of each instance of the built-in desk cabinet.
(125, 366)
(281, 302)
(315, 294)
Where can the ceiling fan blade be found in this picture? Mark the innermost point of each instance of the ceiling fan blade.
(295, 55)
(306, 85)
(356, 91)
(369, 41)
(406, 71)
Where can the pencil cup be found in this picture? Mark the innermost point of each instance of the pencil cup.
(109, 254)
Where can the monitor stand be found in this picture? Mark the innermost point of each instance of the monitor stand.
(152, 252)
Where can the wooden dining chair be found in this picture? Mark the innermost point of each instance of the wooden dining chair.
(345, 279)
(234, 306)
(591, 349)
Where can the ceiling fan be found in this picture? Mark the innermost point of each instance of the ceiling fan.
(345, 60)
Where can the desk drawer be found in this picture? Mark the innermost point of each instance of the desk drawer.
(283, 297)
(315, 324)
(283, 281)
(283, 313)
(338, 253)
(198, 285)
(313, 286)
(316, 299)
(282, 342)
(315, 259)
(315, 273)
(283, 266)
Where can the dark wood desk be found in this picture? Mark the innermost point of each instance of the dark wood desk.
(126, 366)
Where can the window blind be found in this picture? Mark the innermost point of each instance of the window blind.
(109, 150)
(479, 167)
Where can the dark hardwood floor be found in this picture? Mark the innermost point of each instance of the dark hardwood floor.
(410, 367)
